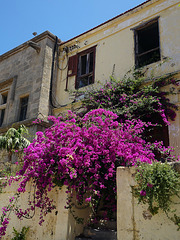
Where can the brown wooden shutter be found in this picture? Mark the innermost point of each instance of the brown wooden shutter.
(72, 66)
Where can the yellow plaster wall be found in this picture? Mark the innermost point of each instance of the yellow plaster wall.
(133, 220)
(58, 225)
(115, 45)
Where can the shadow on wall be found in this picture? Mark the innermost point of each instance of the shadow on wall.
(133, 219)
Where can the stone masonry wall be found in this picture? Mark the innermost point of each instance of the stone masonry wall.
(26, 72)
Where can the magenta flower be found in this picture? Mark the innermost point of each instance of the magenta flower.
(88, 199)
(52, 161)
(149, 185)
(82, 154)
(143, 193)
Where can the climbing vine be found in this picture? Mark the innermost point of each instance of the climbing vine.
(83, 151)
(82, 154)
(133, 97)
(157, 185)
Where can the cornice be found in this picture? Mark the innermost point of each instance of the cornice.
(25, 45)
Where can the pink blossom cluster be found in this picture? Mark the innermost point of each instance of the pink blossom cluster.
(3, 227)
(83, 154)
(4, 220)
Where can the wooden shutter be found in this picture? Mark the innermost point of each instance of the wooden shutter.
(72, 66)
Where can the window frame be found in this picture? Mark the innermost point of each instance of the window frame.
(144, 26)
(79, 76)
(23, 116)
(5, 90)
(4, 97)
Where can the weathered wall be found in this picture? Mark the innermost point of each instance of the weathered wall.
(114, 43)
(131, 224)
(133, 220)
(27, 72)
(58, 225)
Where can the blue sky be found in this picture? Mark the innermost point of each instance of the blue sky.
(64, 18)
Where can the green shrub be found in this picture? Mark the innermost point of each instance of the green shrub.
(20, 235)
(157, 183)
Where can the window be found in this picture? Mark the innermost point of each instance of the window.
(23, 108)
(3, 107)
(82, 65)
(5, 87)
(86, 65)
(147, 46)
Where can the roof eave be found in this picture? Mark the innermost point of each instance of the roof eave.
(122, 14)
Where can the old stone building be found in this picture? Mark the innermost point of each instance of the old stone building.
(37, 78)
(25, 82)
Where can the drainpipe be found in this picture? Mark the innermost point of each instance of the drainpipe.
(52, 74)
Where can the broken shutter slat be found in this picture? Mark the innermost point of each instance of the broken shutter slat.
(72, 66)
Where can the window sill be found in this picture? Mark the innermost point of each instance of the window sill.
(3, 106)
(84, 86)
(149, 64)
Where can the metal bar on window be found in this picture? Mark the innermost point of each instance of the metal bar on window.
(85, 75)
(144, 53)
(79, 66)
(88, 62)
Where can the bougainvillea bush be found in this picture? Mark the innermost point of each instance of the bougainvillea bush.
(82, 154)
(132, 97)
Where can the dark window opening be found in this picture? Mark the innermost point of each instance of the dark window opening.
(23, 108)
(160, 133)
(3, 101)
(86, 67)
(147, 46)
(83, 62)
(2, 116)
(157, 133)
